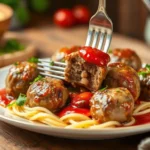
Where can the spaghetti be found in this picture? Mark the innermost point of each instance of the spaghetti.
(73, 120)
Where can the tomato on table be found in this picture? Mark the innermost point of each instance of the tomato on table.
(94, 56)
(70, 109)
(81, 100)
(82, 14)
(64, 18)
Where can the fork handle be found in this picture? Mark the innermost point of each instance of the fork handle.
(102, 5)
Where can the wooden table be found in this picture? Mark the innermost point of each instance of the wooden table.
(47, 40)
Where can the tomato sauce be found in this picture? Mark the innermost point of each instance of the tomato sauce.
(4, 98)
(94, 56)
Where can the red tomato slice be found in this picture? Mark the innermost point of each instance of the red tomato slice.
(70, 109)
(94, 56)
(82, 100)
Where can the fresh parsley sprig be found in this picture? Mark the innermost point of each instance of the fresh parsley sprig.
(38, 78)
(144, 73)
(20, 100)
(33, 60)
(104, 88)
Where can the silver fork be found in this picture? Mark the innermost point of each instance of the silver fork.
(99, 36)
(100, 29)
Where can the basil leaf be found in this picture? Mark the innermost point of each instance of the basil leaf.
(33, 60)
(21, 100)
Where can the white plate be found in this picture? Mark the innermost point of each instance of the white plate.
(68, 133)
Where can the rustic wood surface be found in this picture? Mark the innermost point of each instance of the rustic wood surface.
(48, 40)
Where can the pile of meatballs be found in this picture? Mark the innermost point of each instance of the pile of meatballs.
(124, 81)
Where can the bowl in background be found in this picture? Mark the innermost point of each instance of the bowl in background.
(6, 14)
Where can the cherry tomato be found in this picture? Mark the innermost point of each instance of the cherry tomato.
(64, 18)
(94, 56)
(4, 99)
(81, 14)
(82, 100)
(70, 109)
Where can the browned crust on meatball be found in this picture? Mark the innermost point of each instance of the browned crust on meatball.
(19, 77)
(81, 73)
(126, 56)
(114, 104)
(121, 75)
(49, 93)
(145, 84)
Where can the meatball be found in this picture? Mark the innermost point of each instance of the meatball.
(78, 72)
(121, 75)
(63, 52)
(19, 77)
(47, 92)
(127, 56)
(144, 75)
(114, 104)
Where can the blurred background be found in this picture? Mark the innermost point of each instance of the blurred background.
(129, 16)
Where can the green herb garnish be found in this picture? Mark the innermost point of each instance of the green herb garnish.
(39, 77)
(16, 63)
(148, 67)
(33, 60)
(143, 74)
(21, 100)
(110, 51)
(52, 63)
(12, 45)
(104, 88)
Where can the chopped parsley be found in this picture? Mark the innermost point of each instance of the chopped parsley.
(104, 88)
(33, 60)
(52, 63)
(16, 63)
(110, 51)
(144, 73)
(20, 100)
(148, 67)
(11, 45)
(39, 77)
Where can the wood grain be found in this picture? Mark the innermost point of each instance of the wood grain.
(48, 40)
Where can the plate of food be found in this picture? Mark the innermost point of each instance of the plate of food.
(95, 98)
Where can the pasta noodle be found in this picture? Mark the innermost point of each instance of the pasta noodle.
(74, 120)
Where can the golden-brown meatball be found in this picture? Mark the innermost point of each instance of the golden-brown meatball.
(144, 75)
(63, 52)
(19, 77)
(47, 92)
(121, 75)
(127, 56)
(114, 104)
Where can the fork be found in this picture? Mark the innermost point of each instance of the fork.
(100, 29)
(99, 36)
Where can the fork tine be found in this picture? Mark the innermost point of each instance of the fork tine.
(51, 71)
(51, 67)
(55, 62)
(89, 37)
(107, 43)
(96, 35)
(51, 75)
(102, 34)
